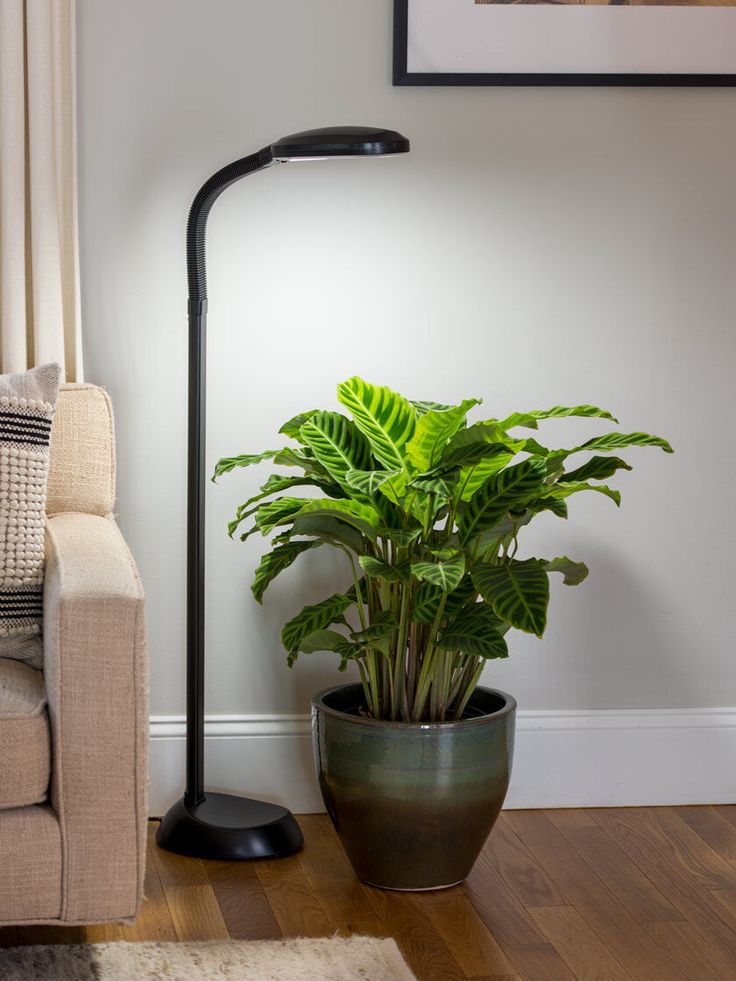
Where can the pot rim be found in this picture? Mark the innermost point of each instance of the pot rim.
(508, 708)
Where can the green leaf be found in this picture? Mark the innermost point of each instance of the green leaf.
(479, 433)
(386, 418)
(292, 427)
(534, 448)
(433, 431)
(511, 488)
(314, 617)
(275, 484)
(229, 463)
(561, 491)
(557, 507)
(573, 572)
(444, 486)
(473, 478)
(379, 569)
(403, 537)
(427, 600)
(337, 444)
(467, 454)
(619, 441)
(446, 575)
(329, 529)
(326, 640)
(517, 591)
(382, 627)
(289, 457)
(475, 632)
(275, 562)
(597, 468)
(422, 407)
(369, 482)
(529, 419)
(278, 512)
(361, 516)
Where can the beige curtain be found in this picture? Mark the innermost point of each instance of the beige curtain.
(39, 261)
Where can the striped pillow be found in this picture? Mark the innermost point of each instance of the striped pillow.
(27, 403)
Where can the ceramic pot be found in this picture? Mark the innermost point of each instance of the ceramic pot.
(412, 803)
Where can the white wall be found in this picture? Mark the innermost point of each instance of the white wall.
(537, 246)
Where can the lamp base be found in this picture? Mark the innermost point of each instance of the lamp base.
(228, 828)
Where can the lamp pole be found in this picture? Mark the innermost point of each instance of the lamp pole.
(202, 824)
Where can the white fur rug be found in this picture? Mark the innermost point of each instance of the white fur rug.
(332, 959)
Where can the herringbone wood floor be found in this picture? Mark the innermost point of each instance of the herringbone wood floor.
(640, 894)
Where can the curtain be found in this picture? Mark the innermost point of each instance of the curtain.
(39, 258)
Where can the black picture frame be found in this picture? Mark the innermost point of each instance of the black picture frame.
(401, 76)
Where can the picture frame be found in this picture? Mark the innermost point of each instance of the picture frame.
(564, 42)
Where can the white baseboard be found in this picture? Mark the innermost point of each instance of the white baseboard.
(601, 758)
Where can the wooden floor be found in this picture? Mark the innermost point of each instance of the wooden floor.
(603, 894)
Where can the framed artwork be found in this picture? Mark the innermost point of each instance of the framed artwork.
(564, 42)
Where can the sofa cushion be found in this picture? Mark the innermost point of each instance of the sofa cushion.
(25, 753)
(27, 403)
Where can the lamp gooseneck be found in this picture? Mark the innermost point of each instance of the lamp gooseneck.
(205, 197)
(197, 285)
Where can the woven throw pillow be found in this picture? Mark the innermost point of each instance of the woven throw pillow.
(27, 403)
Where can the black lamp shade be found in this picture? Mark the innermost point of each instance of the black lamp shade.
(340, 141)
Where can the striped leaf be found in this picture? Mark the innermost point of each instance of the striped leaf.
(529, 419)
(509, 489)
(619, 441)
(573, 573)
(444, 486)
(313, 618)
(329, 529)
(422, 407)
(517, 591)
(380, 629)
(386, 418)
(468, 454)
(275, 484)
(403, 537)
(433, 431)
(475, 632)
(473, 478)
(562, 491)
(292, 426)
(327, 640)
(539, 504)
(229, 463)
(361, 516)
(480, 432)
(337, 444)
(289, 457)
(597, 468)
(275, 562)
(378, 569)
(446, 575)
(278, 512)
(427, 600)
(369, 482)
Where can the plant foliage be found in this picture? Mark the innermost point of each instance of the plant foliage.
(427, 511)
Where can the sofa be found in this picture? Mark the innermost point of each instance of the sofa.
(74, 737)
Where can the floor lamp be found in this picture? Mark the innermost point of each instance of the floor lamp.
(203, 824)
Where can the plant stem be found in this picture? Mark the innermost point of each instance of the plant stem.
(470, 688)
(399, 679)
(425, 673)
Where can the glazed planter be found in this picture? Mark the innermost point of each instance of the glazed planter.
(412, 803)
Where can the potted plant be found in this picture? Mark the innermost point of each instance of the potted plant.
(413, 761)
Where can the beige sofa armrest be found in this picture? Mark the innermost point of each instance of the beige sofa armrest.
(97, 687)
